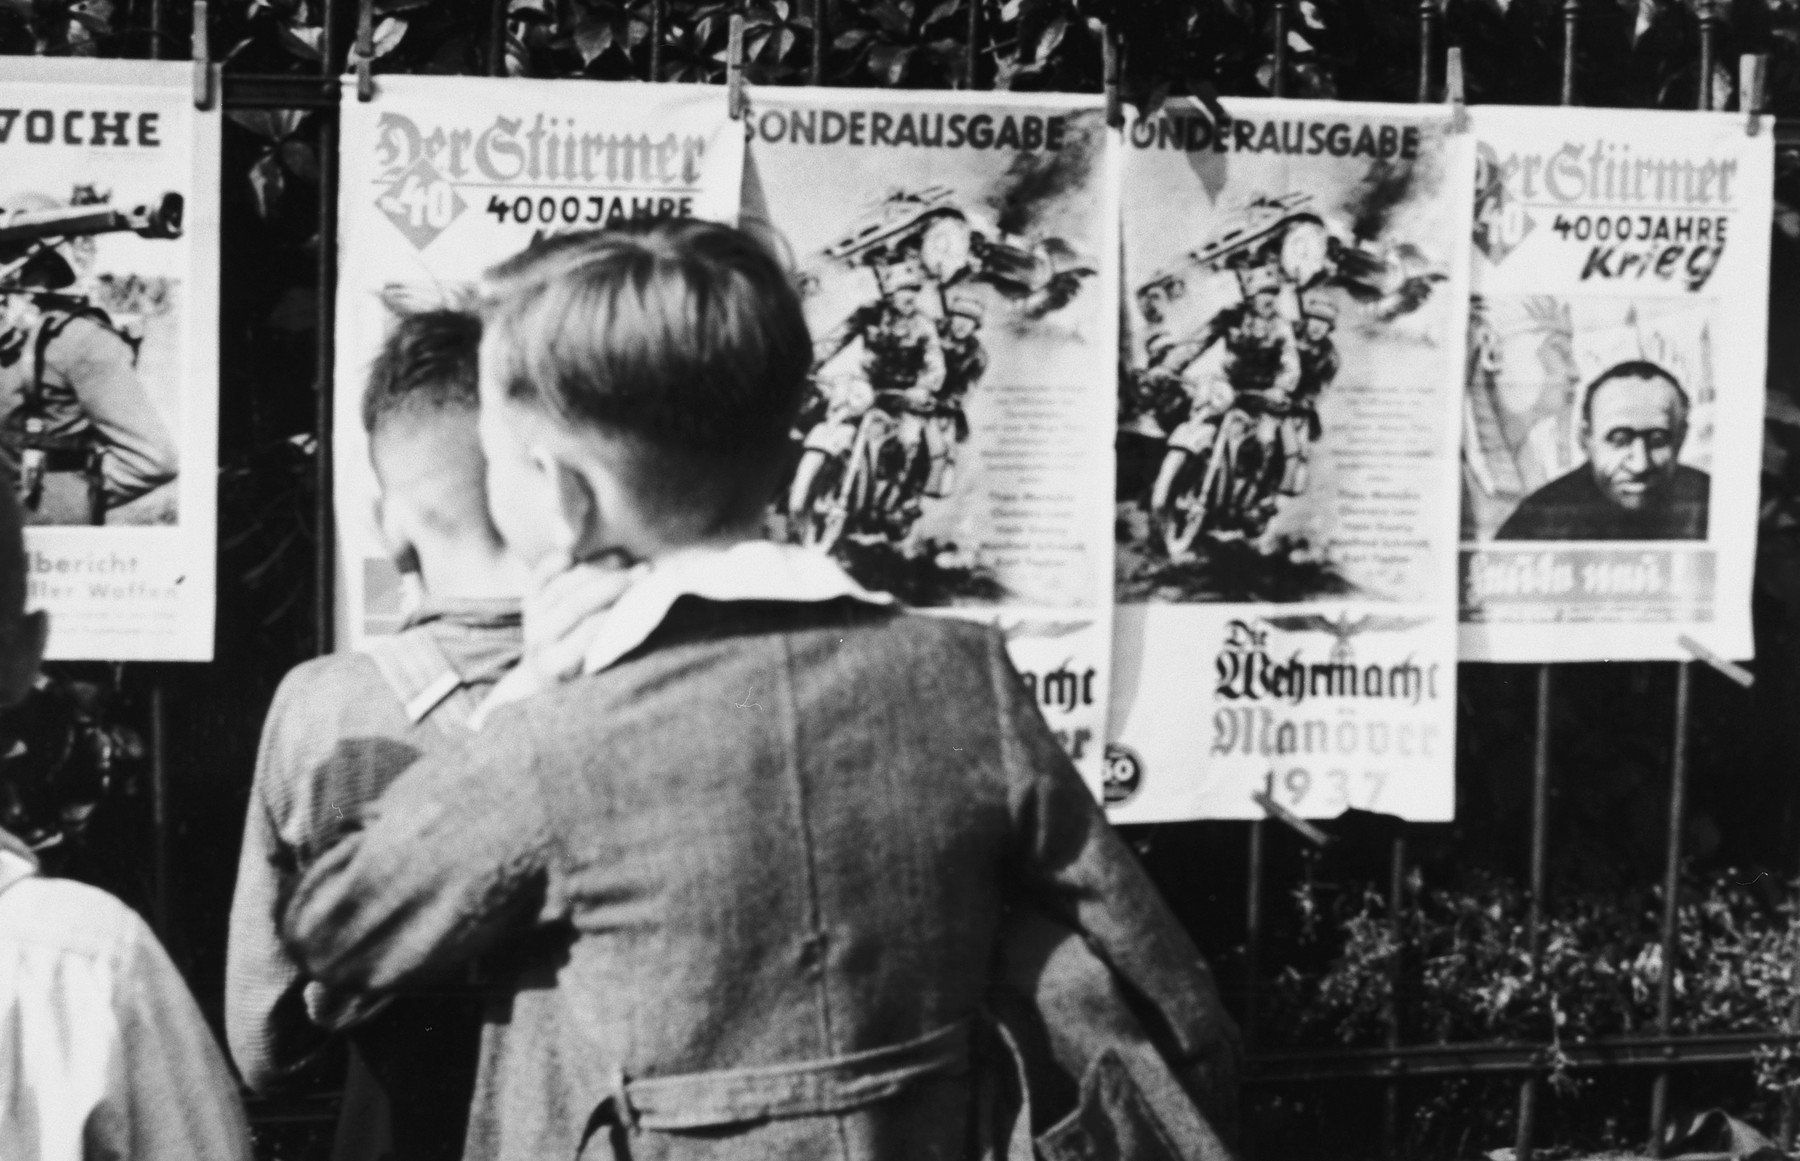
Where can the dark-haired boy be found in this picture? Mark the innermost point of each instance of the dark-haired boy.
(774, 825)
(344, 726)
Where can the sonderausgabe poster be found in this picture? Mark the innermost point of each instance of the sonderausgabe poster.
(1613, 417)
(1288, 411)
(443, 177)
(959, 262)
(109, 300)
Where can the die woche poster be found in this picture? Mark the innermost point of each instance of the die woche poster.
(109, 227)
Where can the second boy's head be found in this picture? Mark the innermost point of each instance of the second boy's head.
(638, 385)
(421, 412)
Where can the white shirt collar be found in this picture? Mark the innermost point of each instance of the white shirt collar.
(753, 570)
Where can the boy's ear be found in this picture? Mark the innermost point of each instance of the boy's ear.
(394, 536)
(577, 509)
(21, 651)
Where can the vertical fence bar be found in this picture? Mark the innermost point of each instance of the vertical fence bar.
(971, 43)
(1428, 13)
(162, 893)
(496, 37)
(1390, 1097)
(1540, 817)
(325, 547)
(1540, 883)
(1571, 14)
(1109, 75)
(1278, 59)
(1540, 756)
(1665, 984)
(658, 21)
(1709, 31)
(1678, 759)
(815, 73)
(1253, 932)
(1790, 1101)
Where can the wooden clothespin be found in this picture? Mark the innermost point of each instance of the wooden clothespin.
(1753, 71)
(202, 53)
(363, 55)
(1109, 75)
(734, 68)
(1286, 817)
(1453, 90)
(1209, 100)
(1730, 669)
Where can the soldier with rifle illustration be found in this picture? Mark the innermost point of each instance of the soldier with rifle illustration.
(965, 362)
(901, 366)
(79, 434)
(1260, 370)
(1319, 362)
(1273, 355)
(879, 439)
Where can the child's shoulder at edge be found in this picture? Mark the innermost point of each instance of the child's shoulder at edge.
(330, 682)
(928, 631)
(326, 698)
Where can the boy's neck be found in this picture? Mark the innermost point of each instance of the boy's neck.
(651, 548)
(453, 571)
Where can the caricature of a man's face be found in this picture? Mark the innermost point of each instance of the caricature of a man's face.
(1633, 433)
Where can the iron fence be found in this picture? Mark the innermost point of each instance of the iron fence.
(1268, 1065)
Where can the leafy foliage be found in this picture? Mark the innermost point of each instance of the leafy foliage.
(1460, 961)
(1462, 967)
(1467, 968)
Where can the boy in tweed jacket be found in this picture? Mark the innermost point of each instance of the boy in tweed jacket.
(766, 839)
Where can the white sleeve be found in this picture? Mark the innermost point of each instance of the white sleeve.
(171, 1093)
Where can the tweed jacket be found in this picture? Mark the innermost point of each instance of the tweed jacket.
(752, 872)
(336, 735)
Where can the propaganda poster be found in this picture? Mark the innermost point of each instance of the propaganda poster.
(109, 299)
(444, 177)
(1288, 422)
(1613, 415)
(958, 256)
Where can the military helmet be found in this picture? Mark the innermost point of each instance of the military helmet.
(43, 265)
(966, 303)
(1259, 279)
(1320, 305)
(905, 274)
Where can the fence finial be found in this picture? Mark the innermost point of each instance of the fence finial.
(1453, 90)
(202, 53)
(1753, 71)
(734, 68)
(364, 53)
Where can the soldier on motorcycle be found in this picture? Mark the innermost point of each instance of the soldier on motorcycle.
(965, 362)
(79, 434)
(1258, 374)
(1318, 368)
(902, 366)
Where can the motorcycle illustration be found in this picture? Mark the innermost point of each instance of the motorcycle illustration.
(867, 490)
(1229, 487)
